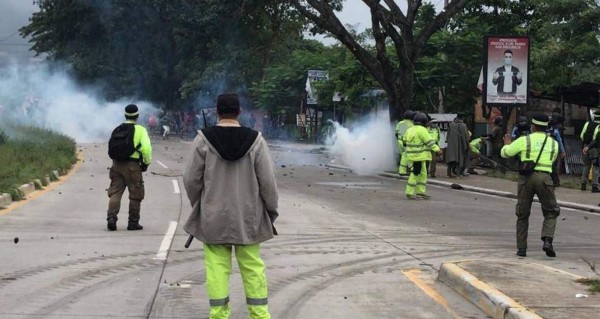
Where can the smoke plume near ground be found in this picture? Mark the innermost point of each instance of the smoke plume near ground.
(34, 95)
(367, 148)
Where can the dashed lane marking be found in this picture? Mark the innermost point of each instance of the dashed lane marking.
(176, 186)
(166, 243)
(161, 164)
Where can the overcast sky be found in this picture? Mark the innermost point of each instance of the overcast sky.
(15, 13)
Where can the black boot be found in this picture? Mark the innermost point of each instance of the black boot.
(134, 226)
(595, 189)
(522, 252)
(112, 223)
(548, 247)
(583, 186)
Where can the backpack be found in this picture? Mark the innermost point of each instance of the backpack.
(588, 136)
(120, 145)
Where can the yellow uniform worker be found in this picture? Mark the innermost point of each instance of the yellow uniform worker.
(539, 151)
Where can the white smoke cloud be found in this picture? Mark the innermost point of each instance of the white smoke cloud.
(367, 148)
(34, 95)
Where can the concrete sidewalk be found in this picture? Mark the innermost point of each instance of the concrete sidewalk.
(505, 289)
(517, 289)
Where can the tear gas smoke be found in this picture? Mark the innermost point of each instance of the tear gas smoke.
(368, 147)
(34, 95)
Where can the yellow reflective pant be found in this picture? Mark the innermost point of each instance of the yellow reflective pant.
(217, 260)
(417, 183)
(405, 164)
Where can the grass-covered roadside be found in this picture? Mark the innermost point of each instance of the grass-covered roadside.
(28, 153)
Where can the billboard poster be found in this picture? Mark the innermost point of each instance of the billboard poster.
(506, 70)
(314, 75)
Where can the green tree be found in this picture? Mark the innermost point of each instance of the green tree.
(565, 42)
(393, 69)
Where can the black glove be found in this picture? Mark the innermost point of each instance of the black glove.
(144, 166)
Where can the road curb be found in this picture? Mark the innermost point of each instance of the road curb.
(5, 200)
(490, 300)
(27, 189)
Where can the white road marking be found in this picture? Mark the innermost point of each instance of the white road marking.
(176, 186)
(166, 243)
(161, 164)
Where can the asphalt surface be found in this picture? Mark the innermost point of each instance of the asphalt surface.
(349, 247)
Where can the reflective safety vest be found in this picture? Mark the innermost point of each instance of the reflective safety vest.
(475, 145)
(140, 137)
(435, 134)
(529, 148)
(402, 127)
(419, 144)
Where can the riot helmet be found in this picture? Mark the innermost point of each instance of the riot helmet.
(420, 119)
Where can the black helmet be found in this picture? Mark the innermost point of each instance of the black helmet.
(499, 120)
(522, 121)
(409, 115)
(420, 119)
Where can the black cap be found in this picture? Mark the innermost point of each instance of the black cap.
(540, 119)
(131, 110)
(228, 103)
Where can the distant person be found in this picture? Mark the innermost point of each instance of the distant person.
(555, 133)
(457, 150)
(507, 77)
(475, 156)
(496, 142)
(522, 127)
(419, 145)
(591, 152)
(130, 149)
(401, 128)
(152, 123)
(230, 182)
(266, 126)
(167, 122)
(537, 151)
(436, 135)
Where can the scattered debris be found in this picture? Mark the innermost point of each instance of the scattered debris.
(16, 240)
(580, 296)
(456, 186)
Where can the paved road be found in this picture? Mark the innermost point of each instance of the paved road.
(349, 246)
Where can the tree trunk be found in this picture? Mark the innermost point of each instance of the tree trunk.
(400, 94)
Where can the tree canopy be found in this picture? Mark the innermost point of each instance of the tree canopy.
(177, 52)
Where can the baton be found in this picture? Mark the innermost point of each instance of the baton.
(492, 161)
(189, 241)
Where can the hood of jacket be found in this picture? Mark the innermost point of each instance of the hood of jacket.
(230, 142)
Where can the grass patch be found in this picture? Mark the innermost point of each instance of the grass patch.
(28, 153)
(594, 284)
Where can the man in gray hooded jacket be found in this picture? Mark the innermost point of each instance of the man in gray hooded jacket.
(230, 182)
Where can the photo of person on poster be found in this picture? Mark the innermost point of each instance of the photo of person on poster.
(507, 77)
(506, 68)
